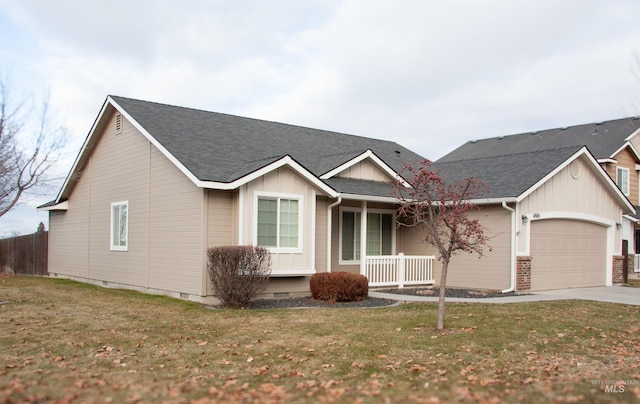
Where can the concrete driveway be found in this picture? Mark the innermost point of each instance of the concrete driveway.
(611, 294)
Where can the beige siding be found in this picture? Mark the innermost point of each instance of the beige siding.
(176, 247)
(119, 172)
(365, 170)
(283, 181)
(586, 195)
(69, 232)
(222, 220)
(493, 270)
(165, 247)
(409, 241)
(625, 159)
(321, 234)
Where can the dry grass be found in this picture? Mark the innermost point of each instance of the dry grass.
(62, 340)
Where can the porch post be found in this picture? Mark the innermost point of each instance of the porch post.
(363, 239)
(401, 271)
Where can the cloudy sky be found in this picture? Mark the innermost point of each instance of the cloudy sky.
(429, 74)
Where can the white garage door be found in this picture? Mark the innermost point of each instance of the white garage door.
(567, 254)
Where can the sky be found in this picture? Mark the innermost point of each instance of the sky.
(430, 74)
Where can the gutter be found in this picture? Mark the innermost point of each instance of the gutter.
(329, 221)
(512, 258)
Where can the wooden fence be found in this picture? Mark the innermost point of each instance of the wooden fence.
(25, 255)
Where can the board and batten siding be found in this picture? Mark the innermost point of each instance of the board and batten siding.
(585, 195)
(365, 170)
(285, 182)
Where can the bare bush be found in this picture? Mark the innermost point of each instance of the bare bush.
(238, 273)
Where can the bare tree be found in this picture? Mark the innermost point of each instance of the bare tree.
(441, 211)
(29, 146)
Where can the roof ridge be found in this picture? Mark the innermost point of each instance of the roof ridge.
(253, 119)
(564, 128)
(574, 147)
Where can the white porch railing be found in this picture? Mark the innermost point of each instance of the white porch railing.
(636, 263)
(398, 270)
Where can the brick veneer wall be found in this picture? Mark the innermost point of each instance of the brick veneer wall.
(618, 267)
(523, 273)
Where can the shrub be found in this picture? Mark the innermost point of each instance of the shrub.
(339, 287)
(238, 273)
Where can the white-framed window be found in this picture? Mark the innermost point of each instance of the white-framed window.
(379, 238)
(279, 221)
(120, 226)
(622, 179)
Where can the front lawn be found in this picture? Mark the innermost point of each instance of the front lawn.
(62, 340)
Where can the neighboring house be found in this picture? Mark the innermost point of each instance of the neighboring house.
(553, 181)
(155, 185)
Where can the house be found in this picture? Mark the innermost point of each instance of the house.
(554, 179)
(155, 185)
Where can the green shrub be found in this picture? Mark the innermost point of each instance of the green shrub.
(339, 287)
(238, 273)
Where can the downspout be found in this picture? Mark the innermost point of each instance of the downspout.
(512, 255)
(329, 221)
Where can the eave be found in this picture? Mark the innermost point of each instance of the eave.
(61, 206)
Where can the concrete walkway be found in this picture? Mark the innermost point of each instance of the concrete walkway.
(611, 294)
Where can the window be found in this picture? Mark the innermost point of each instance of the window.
(379, 239)
(119, 226)
(278, 222)
(622, 179)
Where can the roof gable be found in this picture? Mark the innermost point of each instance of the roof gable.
(195, 138)
(506, 176)
(223, 151)
(515, 176)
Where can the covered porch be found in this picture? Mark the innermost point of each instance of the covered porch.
(365, 239)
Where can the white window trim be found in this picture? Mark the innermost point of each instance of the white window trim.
(278, 196)
(391, 212)
(118, 247)
(624, 169)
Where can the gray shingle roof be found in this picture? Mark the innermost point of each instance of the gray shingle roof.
(223, 148)
(602, 139)
(507, 175)
(361, 187)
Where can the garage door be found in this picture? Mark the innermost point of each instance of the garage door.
(567, 254)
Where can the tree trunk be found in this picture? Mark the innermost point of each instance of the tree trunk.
(443, 283)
